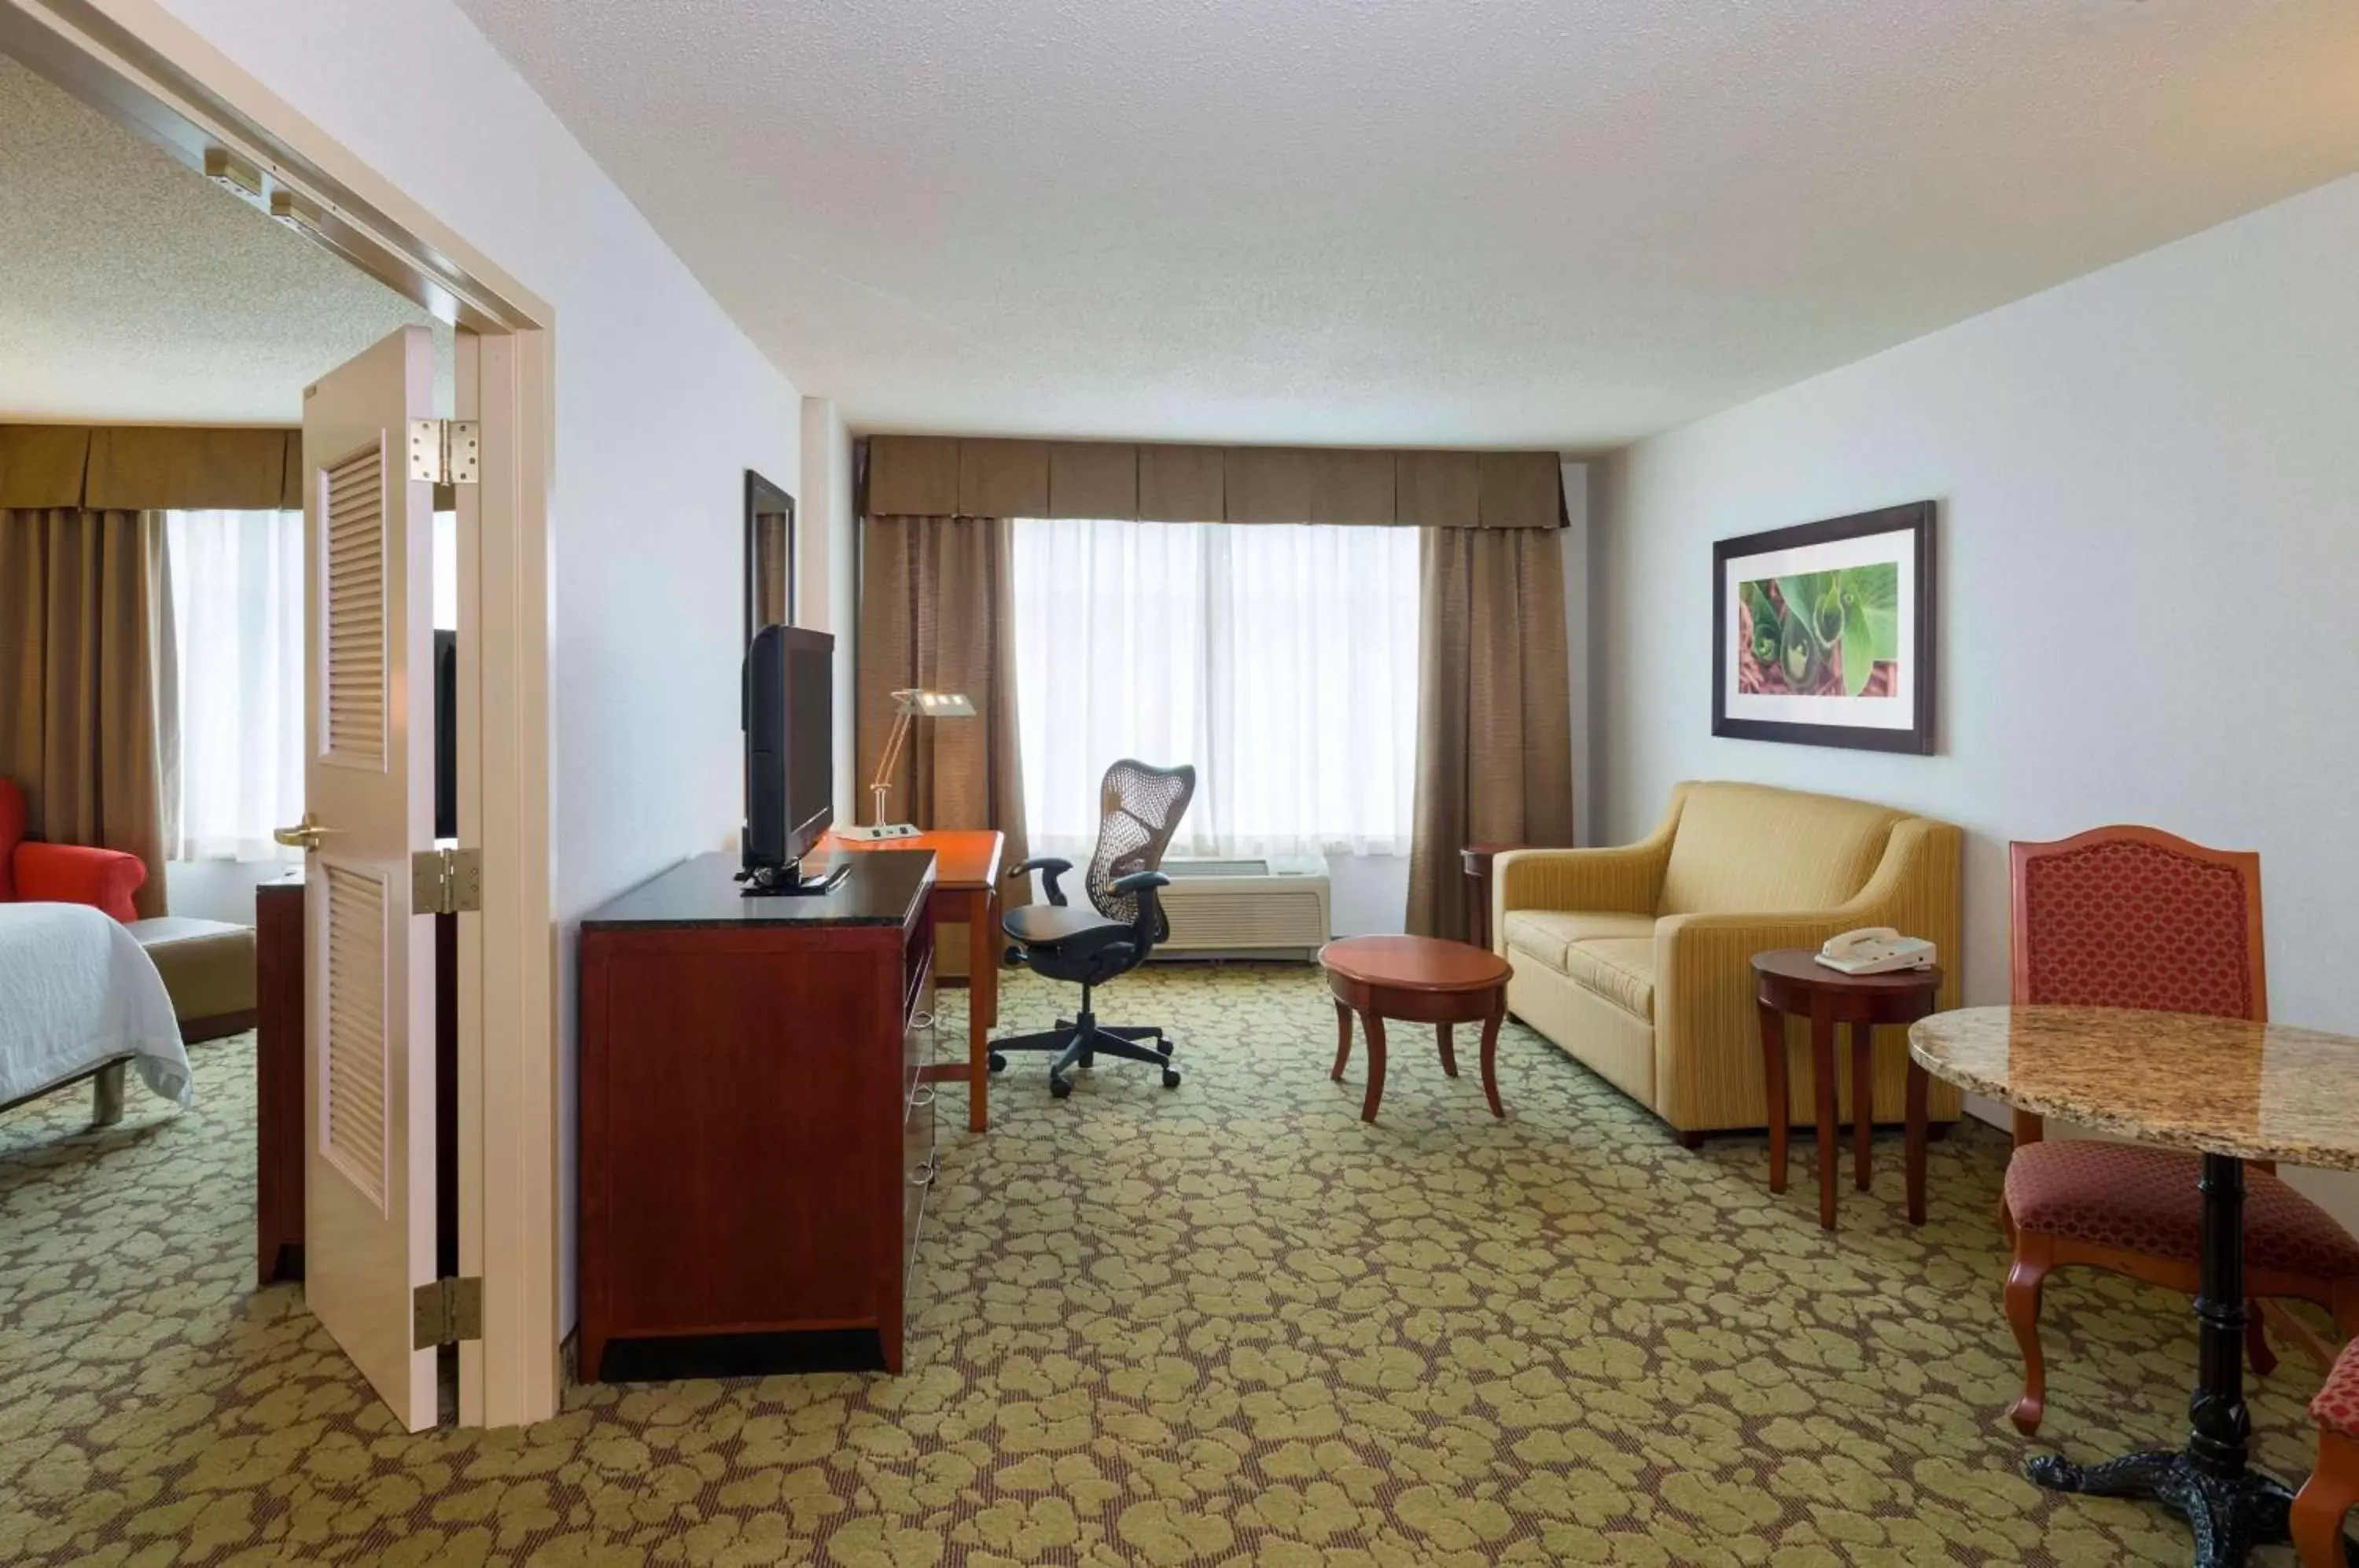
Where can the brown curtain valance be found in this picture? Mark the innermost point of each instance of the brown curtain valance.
(943, 476)
(151, 467)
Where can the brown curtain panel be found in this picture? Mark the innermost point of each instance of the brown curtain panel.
(87, 683)
(1494, 710)
(936, 611)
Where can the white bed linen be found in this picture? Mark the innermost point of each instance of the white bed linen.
(76, 988)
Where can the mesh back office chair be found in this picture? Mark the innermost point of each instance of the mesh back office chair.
(1140, 807)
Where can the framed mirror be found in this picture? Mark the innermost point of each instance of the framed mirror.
(769, 556)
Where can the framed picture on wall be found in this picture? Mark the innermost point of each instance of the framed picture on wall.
(1823, 634)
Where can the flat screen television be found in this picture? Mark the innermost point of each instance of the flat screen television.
(790, 720)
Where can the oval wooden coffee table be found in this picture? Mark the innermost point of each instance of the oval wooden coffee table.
(1416, 979)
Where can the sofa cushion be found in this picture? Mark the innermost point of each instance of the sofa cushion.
(207, 965)
(1545, 934)
(2145, 1200)
(1750, 849)
(1621, 969)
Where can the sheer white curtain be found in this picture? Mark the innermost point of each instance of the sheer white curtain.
(237, 602)
(1280, 660)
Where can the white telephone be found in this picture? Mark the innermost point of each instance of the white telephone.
(1875, 949)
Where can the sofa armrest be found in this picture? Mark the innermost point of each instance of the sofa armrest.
(76, 874)
(1626, 878)
(1707, 1033)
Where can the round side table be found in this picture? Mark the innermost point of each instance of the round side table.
(1475, 861)
(1792, 980)
(1417, 979)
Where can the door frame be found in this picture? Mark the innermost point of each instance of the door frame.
(142, 67)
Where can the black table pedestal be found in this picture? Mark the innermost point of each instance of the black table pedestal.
(2231, 1508)
(2229, 1513)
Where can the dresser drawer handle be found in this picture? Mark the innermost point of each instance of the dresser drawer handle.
(922, 1098)
(924, 1175)
(921, 1020)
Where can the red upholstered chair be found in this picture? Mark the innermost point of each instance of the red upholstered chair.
(2130, 916)
(2333, 1484)
(33, 872)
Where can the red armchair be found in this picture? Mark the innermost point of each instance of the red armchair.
(33, 872)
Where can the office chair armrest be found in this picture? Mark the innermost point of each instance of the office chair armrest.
(1152, 925)
(1053, 867)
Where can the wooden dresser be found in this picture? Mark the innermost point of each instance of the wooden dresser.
(278, 1079)
(756, 1146)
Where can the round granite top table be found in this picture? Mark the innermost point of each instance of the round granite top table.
(2229, 1090)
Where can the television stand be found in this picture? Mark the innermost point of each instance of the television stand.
(787, 881)
(756, 1144)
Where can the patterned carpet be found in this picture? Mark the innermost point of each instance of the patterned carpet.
(1228, 1324)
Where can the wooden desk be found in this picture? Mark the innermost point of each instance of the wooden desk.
(966, 887)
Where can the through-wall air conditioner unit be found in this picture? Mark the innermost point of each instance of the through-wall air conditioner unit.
(1273, 908)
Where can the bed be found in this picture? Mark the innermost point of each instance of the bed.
(80, 998)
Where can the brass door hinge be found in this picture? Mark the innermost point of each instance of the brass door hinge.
(446, 881)
(444, 1312)
(445, 451)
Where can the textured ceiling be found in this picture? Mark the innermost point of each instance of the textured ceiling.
(1550, 221)
(132, 288)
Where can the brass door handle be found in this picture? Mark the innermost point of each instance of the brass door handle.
(304, 836)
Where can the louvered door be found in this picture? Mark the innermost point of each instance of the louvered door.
(368, 780)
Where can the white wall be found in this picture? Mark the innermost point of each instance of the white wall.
(2149, 566)
(829, 582)
(662, 404)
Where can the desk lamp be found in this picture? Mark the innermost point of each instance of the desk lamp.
(911, 705)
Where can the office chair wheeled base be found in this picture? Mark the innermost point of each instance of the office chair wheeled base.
(1078, 1042)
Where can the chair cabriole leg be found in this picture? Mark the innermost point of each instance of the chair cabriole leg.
(2033, 1258)
(2320, 1507)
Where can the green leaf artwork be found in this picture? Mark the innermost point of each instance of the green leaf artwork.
(1821, 634)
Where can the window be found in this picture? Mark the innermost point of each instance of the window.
(1280, 660)
(237, 614)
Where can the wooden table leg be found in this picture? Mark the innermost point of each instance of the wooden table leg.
(982, 1005)
(1342, 1039)
(1449, 1057)
(1822, 1079)
(1491, 1053)
(1862, 1102)
(1375, 1025)
(1780, 1106)
(1920, 1083)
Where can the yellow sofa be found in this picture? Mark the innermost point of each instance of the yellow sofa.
(1637, 961)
